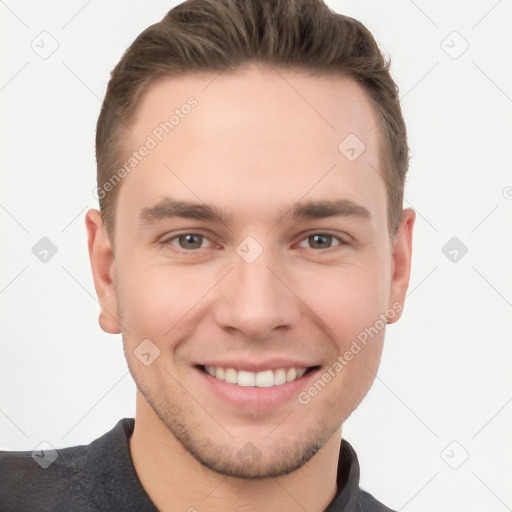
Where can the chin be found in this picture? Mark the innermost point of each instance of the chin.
(251, 463)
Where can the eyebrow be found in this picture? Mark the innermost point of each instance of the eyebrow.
(169, 208)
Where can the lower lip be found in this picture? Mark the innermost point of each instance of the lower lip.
(248, 397)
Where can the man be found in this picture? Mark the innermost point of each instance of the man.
(251, 247)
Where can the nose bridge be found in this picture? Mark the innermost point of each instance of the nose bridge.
(254, 299)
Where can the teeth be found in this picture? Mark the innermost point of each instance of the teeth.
(246, 378)
(230, 376)
(291, 375)
(264, 379)
(279, 377)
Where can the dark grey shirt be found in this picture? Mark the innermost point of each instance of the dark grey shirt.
(100, 477)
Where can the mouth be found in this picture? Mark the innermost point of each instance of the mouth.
(267, 378)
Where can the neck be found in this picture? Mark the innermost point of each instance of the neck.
(176, 481)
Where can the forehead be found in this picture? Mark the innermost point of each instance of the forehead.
(262, 99)
(254, 134)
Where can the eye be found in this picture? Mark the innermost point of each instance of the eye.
(322, 241)
(187, 241)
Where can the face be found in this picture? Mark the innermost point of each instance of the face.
(253, 250)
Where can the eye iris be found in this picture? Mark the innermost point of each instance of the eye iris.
(189, 239)
(194, 241)
(320, 241)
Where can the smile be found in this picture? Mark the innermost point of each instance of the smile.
(262, 379)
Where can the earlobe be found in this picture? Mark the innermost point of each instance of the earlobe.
(401, 264)
(103, 270)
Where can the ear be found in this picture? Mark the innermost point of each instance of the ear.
(401, 263)
(103, 271)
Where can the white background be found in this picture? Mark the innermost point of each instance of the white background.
(445, 373)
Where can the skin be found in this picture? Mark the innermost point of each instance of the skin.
(253, 147)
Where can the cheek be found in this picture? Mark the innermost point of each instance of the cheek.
(156, 299)
(347, 298)
(150, 299)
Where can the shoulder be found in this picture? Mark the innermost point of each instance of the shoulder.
(33, 480)
(61, 479)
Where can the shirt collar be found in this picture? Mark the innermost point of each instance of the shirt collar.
(347, 479)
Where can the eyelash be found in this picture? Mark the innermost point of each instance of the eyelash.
(168, 241)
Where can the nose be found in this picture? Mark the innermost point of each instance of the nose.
(256, 298)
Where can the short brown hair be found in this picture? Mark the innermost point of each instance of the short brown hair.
(224, 35)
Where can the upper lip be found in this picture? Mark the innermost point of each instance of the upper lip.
(253, 366)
